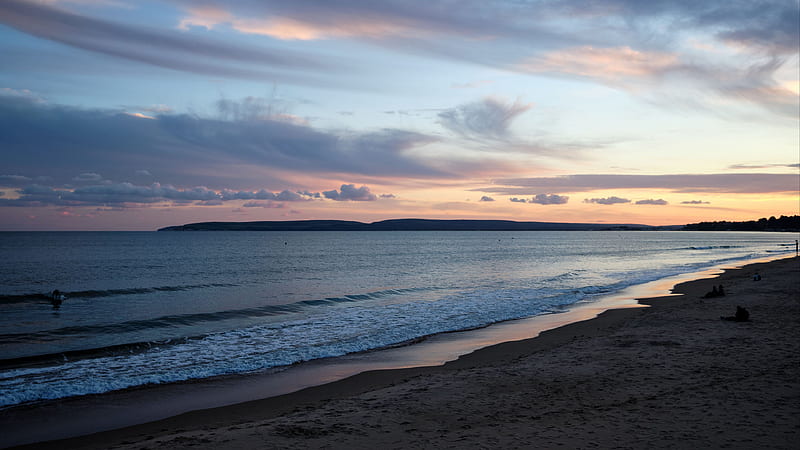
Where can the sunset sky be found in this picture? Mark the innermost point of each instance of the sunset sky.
(137, 114)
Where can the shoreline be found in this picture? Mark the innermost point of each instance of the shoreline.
(494, 356)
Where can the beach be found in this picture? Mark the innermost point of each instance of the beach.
(670, 375)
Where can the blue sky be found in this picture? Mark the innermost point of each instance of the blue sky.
(118, 114)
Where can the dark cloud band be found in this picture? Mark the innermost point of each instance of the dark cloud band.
(61, 142)
(121, 194)
(754, 183)
(168, 49)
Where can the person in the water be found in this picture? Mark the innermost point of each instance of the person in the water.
(56, 298)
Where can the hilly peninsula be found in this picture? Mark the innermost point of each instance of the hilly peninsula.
(404, 225)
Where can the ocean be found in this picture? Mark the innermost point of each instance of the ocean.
(148, 307)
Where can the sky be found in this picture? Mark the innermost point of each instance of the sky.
(140, 114)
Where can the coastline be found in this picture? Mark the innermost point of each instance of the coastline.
(286, 420)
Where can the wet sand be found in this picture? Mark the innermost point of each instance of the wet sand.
(672, 375)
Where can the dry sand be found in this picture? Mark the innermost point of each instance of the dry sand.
(673, 375)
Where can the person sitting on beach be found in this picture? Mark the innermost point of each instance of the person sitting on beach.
(742, 315)
(756, 277)
(714, 293)
(721, 291)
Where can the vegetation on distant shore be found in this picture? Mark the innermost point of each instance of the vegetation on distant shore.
(782, 223)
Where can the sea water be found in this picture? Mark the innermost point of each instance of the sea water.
(147, 307)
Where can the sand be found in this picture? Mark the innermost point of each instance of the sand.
(671, 375)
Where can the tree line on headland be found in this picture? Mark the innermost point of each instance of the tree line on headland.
(782, 223)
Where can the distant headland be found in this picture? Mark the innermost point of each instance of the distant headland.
(784, 223)
(407, 225)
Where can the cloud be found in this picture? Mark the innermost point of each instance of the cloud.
(614, 64)
(264, 204)
(310, 194)
(167, 49)
(24, 93)
(659, 202)
(753, 183)
(695, 202)
(14, 180)
(252, 108)
(59, 141)
(127, 195)
(387, 23)
(761, 166)
(143, 172)
(121, 194)
(644, 73)
(387, 196)
(283, 196)
(139, 115)
(285, 145)
(349, 192)
(303, 27)
(769, 25)
(384, 152)
(551, 199)
(215, 202)
(606, 201)
(485, 125)
(569, 38)
(472, 85)
(88, 177)
(489, 118)
(766, 23)
(756, 83)
(486, 199)
(156, 109)
(544, 199)
(775, 31)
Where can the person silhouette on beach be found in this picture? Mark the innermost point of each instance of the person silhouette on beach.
(742, 315)
(715, 292)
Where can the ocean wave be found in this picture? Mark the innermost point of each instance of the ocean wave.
(38, 296)
(182, 320)
(74, 355)
(710, 247)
